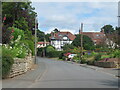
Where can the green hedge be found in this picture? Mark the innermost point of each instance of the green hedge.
(53, 54)
(7, 61)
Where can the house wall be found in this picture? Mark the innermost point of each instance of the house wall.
(59, 43)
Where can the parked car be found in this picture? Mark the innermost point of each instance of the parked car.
(70, 57)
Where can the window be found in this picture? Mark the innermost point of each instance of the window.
(97, 35)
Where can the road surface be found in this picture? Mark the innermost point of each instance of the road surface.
(60, 74)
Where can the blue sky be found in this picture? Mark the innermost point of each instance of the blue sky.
(67, 16)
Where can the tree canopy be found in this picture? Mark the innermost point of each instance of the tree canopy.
(68, 46)
(20, 15)
(87, 42)
(108, 29)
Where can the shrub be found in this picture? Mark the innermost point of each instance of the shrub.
(97, 57)
(7, 50)
(76, 59)
(68, 46)
(40, 52)
(49, 48)
(29, 45)
(61, 55)
(7, 61)
(115, 54)
(90, 62)
(83, 61)
(53, 54)
(105, 56)
(17, 32)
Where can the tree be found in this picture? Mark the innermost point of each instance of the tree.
(87, 42)
(56, 30)
(108, 29)
(40, 35)
(19, 15)
(47, 37)
(68, 46)
(112, 36)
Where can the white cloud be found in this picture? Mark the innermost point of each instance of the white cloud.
(62, 30)
(68, 16)
(74, 0)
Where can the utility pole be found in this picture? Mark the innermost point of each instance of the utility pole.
(35, 40)
(81, 40)
(44, 48)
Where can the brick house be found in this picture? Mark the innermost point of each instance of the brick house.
(97, 37)
(59, 39)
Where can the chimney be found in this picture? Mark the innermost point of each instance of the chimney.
(102, 30)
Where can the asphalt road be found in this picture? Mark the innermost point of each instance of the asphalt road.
(59, 74)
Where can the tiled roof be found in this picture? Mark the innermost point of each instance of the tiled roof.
(60, 35)
(43, 42)
(95, 36)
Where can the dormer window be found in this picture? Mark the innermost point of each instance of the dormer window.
(65, 38)
(97, 35)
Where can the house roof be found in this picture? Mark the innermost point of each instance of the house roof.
(95, 36)
(60, 35)
(43, 42)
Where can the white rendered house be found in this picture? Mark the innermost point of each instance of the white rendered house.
(59, 39)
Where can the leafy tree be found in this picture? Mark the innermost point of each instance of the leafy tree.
(47, 37)
(87, 42)
(68, 46)
(40, 35)
(49, 48)
(19, 14)
(56, 30)
(108, 29)
(6, 34)
(112, 36)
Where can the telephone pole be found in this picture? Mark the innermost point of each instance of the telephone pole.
(81, 40)
(35, 40)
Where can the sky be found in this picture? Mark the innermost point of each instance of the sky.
(67, 16)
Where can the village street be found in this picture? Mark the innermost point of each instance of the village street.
(59, 74)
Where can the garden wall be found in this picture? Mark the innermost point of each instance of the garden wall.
(106, 64)
(21, 66)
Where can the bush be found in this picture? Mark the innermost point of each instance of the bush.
(49, 48)
(17, 32)
(29, 45)
(61, 55)
(7, 61)
(68, 46)
(97, 57)
(53, 54)
(105, 56)
(90, 62)
(76, 59)
(7, 50)
(40, 52)
(83, 61)
(115, 54)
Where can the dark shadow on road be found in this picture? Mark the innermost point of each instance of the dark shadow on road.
(110, 83)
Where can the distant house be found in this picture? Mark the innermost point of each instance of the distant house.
(97, 37)
(42, 44)
(59, 39)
